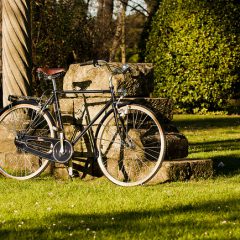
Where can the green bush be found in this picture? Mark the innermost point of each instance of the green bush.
(195, 45)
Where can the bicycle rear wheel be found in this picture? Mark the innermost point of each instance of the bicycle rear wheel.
(24, 118)
(131, 149)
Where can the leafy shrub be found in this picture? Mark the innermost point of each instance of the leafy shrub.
(195, 45)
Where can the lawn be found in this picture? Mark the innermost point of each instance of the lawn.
(214, 137)
(206, 209)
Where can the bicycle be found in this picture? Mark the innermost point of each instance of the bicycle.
(129, 141)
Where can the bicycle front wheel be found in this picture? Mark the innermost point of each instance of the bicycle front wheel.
(132, 148)
(23, 118)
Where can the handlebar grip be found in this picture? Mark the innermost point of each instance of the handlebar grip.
(125, 68)
(94, 63)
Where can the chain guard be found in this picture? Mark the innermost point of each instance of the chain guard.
(54, 154)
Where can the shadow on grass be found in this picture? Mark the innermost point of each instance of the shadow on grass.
(166, 223)
(209, 146)
(230, 167)
(208, 122)
(230, 160)
(228, 163)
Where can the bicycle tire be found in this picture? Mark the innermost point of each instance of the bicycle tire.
(23, 117)
(135, 159)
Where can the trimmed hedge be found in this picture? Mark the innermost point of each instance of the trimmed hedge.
(195, 45)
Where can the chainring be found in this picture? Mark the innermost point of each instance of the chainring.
(66, 155)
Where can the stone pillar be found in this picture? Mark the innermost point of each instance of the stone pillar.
(16, 43)
(0, 53)
(1, 39)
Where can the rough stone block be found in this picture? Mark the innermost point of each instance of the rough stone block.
(137, 83)
(7, 146)
(60, 171)
(201, 169)
(92, 107)
(74, 108)
(162, 107)
(183, 170)
(86, 77)
(66, 105)
(171, 171)
(177, 145)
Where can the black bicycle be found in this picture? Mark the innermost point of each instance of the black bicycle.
(129, 141)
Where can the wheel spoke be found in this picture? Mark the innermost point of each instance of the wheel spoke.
(23, 118)
(135, 159)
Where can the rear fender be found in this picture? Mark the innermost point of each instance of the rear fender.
(32, 102)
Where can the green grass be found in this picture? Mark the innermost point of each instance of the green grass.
(206, 209)
(214, 137)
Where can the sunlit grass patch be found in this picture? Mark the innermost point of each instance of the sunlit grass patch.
(44, 208)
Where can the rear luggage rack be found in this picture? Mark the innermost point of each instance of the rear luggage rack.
(14, 98)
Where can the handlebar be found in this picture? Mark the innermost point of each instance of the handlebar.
(93, 62)
(113, 69)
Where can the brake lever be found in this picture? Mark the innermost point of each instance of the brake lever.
(125, 68)
(95, 63)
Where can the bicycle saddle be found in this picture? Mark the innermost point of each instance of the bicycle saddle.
(51, 71)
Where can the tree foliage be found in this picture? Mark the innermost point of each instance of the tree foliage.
(77, 30)
(195, 46)
(60, 31)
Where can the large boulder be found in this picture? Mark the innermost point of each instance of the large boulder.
(138, 83)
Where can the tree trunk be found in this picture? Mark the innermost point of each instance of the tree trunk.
(152, 6)
(117, 38)
(16, 42)
(103, 28)
(1, 53)
(123, 40)
(105, 11)
(120, 34)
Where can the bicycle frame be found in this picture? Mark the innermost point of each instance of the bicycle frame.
(129, 143)
(54, 100)
(62, 147)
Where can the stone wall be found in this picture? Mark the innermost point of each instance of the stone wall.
(139, 84)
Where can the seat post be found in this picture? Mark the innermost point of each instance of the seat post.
(57, 107)
(54, 85)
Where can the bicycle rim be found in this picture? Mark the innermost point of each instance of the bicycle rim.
(24, 118)
(134, 158)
